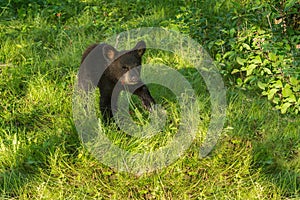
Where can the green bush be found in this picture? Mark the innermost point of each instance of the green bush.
(255, 44)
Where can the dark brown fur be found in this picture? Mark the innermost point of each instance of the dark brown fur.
(87, 51)
(121, 72)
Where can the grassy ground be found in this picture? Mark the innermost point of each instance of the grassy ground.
(42, 157)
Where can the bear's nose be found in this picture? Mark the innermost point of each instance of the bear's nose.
(134, 79)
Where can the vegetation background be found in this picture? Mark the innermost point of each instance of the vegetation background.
(255, 45)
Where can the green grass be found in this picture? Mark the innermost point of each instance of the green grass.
(42, 157)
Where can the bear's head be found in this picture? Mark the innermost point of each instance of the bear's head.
(124, 66)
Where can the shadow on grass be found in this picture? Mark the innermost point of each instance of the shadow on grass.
(277, 158)
(273, 140)
(36, 153)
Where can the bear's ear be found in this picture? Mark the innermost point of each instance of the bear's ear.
(109, 52)
(140, 48)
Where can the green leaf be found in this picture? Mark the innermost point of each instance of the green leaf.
(287, 47)
(284, 107)
(174, 27)
(218, 57)
(257, 60)
(235, 71)
(246, 46)
(220, 42)
(240, 61)
(249, 79)
(239, 82)
(286, 91)
(228, 54)
(296, 88)
(294, 81)
(267, 70)
(289, 4)
(250, 69)
(243, 68)
(232, 32)
(291, 99)
(262, 85)
(271, 93)
(272, 56)
(278, 84)
(276, 100)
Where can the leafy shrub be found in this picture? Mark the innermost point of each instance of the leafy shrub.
(52, 10)
(255, 44)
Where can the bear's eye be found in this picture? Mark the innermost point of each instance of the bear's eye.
(124, 68)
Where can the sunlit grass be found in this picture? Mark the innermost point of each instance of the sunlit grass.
(42, 156)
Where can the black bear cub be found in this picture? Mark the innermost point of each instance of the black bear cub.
(121, 71)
